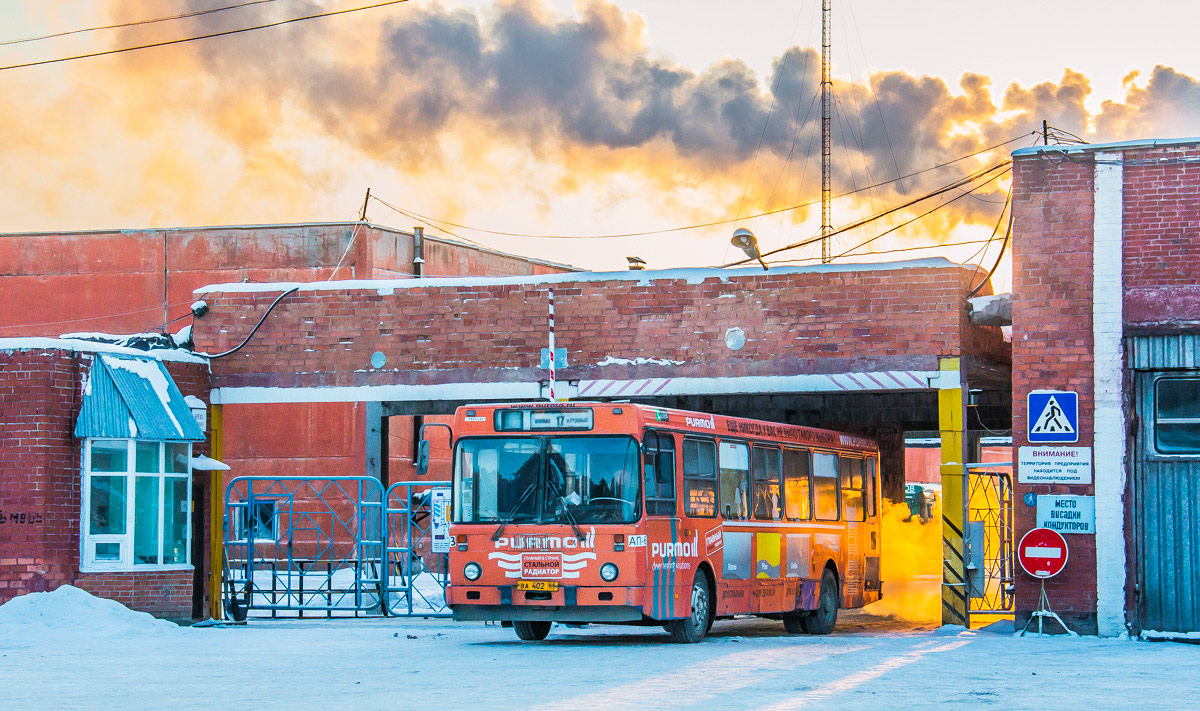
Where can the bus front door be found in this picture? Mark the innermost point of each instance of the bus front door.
(662, 528)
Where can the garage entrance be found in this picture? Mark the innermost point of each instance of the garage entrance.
(876, 350)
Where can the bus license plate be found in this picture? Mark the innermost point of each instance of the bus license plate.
(538, 585)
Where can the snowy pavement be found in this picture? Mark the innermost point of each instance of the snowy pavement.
(93, 654)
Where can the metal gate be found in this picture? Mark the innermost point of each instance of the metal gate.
(418, 568)
(331, 546)
(1166, 490)
(989, 537)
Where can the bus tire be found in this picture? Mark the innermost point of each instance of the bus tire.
(796, 622)
(692, 628)
(823, 619)
(532, 630)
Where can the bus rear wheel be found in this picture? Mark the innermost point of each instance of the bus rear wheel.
(823, 619)
(531, 631)
(796, 622)
(692, 628)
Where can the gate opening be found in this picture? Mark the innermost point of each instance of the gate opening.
(333, 547)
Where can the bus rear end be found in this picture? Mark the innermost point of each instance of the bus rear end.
(545, 516)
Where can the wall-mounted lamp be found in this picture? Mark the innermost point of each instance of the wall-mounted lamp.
(745, 240)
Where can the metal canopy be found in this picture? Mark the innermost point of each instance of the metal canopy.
(134, 398)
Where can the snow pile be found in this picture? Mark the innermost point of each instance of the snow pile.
(76, 612)
(613, 360)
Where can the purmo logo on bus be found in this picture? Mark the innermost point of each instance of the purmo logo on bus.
(708, 422)
(678, 549)
(535, 542)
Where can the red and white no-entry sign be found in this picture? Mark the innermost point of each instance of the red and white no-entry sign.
(1042, 553)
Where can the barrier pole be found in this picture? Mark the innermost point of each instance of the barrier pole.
(216, 518)
(951, 424)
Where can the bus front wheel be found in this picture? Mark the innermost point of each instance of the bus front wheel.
(531, 631)
(823, 619)
(692, 628)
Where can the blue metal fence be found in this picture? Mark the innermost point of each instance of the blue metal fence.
(298, 546)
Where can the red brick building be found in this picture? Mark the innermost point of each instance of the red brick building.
(1106, 304)
(83, 506)
(133, 281)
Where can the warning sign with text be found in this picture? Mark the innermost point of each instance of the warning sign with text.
(1054, 465)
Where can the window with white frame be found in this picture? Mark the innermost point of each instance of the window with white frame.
(137, 502)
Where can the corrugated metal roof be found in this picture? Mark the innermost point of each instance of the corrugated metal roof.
(129, 397)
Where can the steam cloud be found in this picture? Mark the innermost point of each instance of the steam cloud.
(586, 92)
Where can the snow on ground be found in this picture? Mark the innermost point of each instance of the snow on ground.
(71, 652)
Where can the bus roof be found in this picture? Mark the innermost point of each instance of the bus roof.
(469, 420)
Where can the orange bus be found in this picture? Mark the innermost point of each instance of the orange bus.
(587, 512)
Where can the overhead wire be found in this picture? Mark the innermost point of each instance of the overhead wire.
(1003, 248)
(195, 38)
(427, 222)
(909, 203)
(921, 216)
(134, 23)
(427, 219)
(885, 251)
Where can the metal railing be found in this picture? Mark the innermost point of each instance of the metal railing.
(330, 546)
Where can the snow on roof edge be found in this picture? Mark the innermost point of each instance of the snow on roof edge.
(642, 277)
(1116, 145)
(30, 343)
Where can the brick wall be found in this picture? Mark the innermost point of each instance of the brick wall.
(869, 319)
(165, 594)
(1053, 303)
(40, 484)
(1161, 222)
(39, 471)
(1052, 347)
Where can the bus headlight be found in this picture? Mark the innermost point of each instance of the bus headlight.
(609, 572)
(472, 571)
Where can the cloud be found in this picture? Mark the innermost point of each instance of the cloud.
(266, 125)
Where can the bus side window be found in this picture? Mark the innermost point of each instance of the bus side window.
(797, 485)
(660, 474)
(825, 485)
(851, 471)
(735, 480)
(764, 481)
(870, 479)
(700, 477)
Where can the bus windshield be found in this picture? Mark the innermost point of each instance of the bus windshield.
(585, 479)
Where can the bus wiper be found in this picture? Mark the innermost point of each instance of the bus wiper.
(513, 514)
(570, 516)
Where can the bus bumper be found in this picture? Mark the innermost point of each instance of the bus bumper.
(530, 613)
(567, 604)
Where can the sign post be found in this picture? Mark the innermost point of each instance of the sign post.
(1043, 554)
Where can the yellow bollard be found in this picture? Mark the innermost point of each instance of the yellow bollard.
(951, 423)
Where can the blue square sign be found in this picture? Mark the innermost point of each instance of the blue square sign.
(1052, 417)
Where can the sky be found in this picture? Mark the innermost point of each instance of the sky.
(572, 119)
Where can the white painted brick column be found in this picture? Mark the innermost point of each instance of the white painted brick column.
(1110, 426)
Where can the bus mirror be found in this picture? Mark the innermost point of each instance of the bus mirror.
(423, 457)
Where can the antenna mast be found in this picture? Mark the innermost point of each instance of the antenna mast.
(826, 91)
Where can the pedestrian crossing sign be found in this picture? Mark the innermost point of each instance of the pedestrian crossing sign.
(1052, 416)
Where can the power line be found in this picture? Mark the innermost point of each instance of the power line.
(886, 251)
(859, 223)
(1003, 247)
(418, 218)
(423, 218)
(922, 215)
(201, 37)
(135, 22)
(89, 318)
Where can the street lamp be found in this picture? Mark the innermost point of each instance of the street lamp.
(745, 240)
